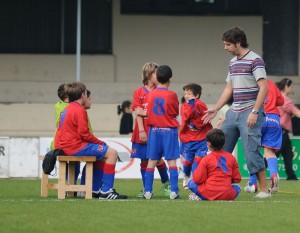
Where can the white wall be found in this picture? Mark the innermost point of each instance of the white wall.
(19, 157)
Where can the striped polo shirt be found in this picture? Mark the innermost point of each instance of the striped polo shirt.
(243, 75)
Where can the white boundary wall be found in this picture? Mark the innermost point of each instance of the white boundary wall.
(19, 157)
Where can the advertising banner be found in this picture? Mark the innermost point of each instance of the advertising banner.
(281, 167)
(4, 151)
(23, 157)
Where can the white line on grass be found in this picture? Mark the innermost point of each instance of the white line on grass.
(142, 200)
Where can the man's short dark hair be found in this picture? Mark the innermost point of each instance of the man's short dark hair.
(217, 138)
(235, 35)
(163, 74)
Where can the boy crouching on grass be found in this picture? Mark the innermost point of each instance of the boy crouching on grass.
(217, 173)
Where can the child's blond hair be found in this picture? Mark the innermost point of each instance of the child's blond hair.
(148, 69)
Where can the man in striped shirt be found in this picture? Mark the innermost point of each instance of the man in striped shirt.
(247, 83)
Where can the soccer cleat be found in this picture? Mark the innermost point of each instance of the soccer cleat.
(274, 188)
(185, 182)
(166, 189)
(148, 195)
(263, 195)
(174, 195)
(194, 197)
(111, 195)
(95, 194)
(251, 188)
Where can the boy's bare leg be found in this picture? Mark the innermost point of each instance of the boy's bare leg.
(262, 180)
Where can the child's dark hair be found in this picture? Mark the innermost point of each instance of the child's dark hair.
(183, 100)
(61, 92)
(195, 88)
(125, 104)
(284, 82)
(217, 138)
(75, 90)
(235, 35)
(163, 74)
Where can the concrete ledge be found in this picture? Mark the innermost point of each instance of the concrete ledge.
(39, 120)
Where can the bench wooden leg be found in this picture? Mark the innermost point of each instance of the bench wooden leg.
(62, 180)
(44, 185)
(71, 177)
(89, 180)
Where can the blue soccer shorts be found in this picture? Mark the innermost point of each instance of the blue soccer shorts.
(139, 151)
(92, 149)
(271, 132)
(191, 149)
(163, 142)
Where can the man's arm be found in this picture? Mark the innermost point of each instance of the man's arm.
(224, 98)
(262, 93)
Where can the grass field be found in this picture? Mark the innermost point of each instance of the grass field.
(23, 210)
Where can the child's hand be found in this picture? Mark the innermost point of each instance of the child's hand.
(140, 112)
(143, 137)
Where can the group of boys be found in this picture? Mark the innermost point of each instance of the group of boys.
(214, 175)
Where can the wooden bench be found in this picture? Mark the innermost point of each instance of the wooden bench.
(68, 187)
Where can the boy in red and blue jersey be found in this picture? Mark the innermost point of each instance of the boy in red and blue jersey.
(74, 138)
(271, 138)
(217, 173)
(141, 129)
(193, 131)
(163, 108)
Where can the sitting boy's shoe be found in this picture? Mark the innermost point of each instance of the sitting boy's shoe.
(194, 197)
(166, 189)
(148, 195)
(251, 188)
(174, 195)
(185, 182)
(263, 195)
(95, 194)
(274, 188)
(111, 195)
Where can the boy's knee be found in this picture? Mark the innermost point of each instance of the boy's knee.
(112, 154)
